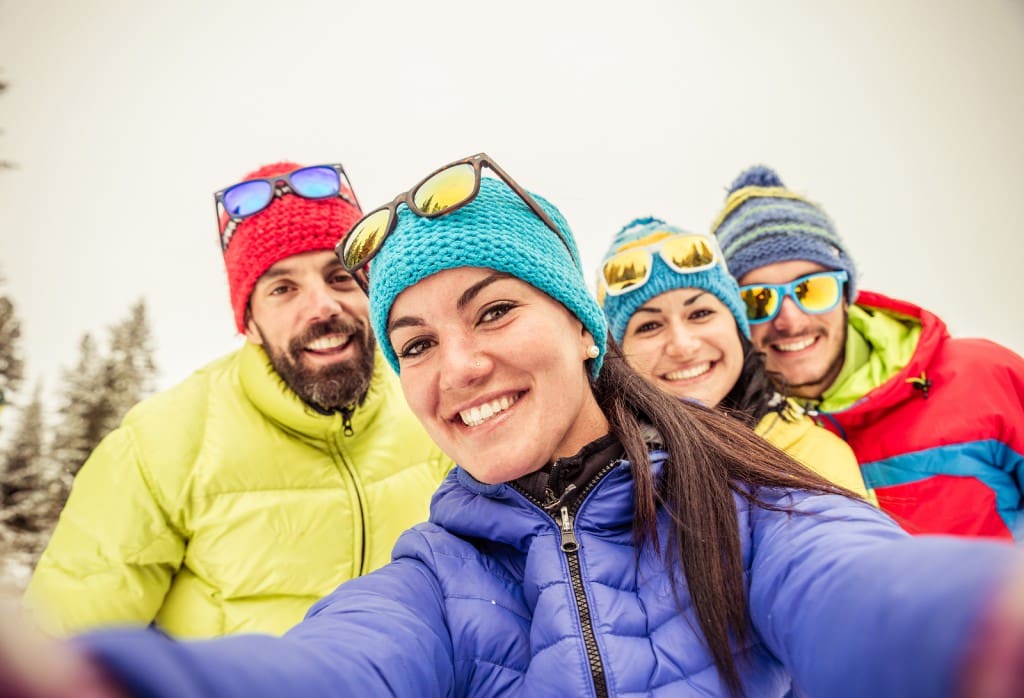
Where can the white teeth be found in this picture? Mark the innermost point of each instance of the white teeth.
(475, 416)
(795, 346)
(328, 342)
(692, 372)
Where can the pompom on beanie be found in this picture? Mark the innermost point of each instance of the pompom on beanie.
(764, 223)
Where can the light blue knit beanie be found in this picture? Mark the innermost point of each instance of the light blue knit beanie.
(716, 280)
(764, 223)
(497, 230)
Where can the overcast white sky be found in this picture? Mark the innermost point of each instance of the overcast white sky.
(903, 118)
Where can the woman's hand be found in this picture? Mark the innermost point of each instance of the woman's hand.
(35, 666)
(994, 665)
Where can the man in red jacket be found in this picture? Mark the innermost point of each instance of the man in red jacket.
(937, 423)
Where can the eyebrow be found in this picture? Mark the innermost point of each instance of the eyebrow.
(465, 299)
(470, 293)
(655, 309)
(275, 272)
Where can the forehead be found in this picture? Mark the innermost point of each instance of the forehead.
(315, 261)
(781, 272)
(679, 298)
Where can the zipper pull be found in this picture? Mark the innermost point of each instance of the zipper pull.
(569, 542)
(346, 421)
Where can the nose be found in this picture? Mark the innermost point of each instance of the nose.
(463, 364)
(682, 343)
(321, 304)
(790, 318)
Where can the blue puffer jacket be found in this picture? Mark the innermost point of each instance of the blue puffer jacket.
(485, 601)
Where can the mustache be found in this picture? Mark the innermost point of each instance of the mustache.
(332, 326)
(774, 336)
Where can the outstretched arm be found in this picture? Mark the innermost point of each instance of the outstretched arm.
(382, 634)
(853, 606)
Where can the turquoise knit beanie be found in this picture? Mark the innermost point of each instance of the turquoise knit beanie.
(716, 280)
(497, 230)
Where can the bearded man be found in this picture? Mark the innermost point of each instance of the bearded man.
(233, 501)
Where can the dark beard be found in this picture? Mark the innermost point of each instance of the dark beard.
(332, 387)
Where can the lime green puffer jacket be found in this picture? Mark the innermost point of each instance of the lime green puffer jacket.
(226, 504)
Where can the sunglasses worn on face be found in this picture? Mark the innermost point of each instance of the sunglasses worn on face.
(814, 294)
(630, 268)
(239, 201)
(439, 193)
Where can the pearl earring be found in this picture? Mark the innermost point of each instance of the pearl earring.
(593, 351)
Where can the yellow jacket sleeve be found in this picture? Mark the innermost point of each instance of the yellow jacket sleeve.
(817, 448)
(113, 552)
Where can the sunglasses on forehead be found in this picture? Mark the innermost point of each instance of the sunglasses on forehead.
(814, 294)
(630, 268)
(239, 201)
(441, 192)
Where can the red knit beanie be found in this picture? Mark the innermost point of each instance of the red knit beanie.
(289, 226)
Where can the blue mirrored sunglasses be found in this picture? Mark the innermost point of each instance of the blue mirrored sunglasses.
(244, 199)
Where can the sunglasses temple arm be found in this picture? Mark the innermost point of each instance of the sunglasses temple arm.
(362, 279)
(526, 197)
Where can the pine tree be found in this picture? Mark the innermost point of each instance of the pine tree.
(101, 389)
(85, 411)
(11, 364)
(31, 491)
(129, 368)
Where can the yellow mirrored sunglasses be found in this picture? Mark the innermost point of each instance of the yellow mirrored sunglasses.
(630, 268)
(443, 191)
(814, 294)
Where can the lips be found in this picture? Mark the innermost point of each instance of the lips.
(328, 343)
(478, 414)
(689, 372)
(794, 345)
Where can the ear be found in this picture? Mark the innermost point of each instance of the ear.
(252, 331)
(586, 341)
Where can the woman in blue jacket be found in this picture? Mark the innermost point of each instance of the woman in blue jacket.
(599, 538)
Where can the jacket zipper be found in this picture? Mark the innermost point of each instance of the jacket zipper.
(348, 470)
(565, 520)
(571, 547)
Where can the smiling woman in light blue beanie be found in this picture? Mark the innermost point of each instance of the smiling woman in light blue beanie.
(716, 280)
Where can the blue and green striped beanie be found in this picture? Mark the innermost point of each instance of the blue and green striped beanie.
(716, 280)
(497, 230)
(764, 223)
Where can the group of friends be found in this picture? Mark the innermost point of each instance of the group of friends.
(713, 478)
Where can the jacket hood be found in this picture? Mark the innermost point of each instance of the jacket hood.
(887, 379)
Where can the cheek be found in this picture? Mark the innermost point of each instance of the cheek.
(836, 323)
(641, 355)
(734, 352)
(419, 394)
(758, 333)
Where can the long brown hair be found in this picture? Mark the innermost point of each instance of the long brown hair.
(710, 457)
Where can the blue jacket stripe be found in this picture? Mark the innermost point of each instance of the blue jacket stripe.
(971, 459)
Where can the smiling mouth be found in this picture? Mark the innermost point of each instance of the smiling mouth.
(687, 373)
(478, 414)
(328, 344)
(797, 345)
